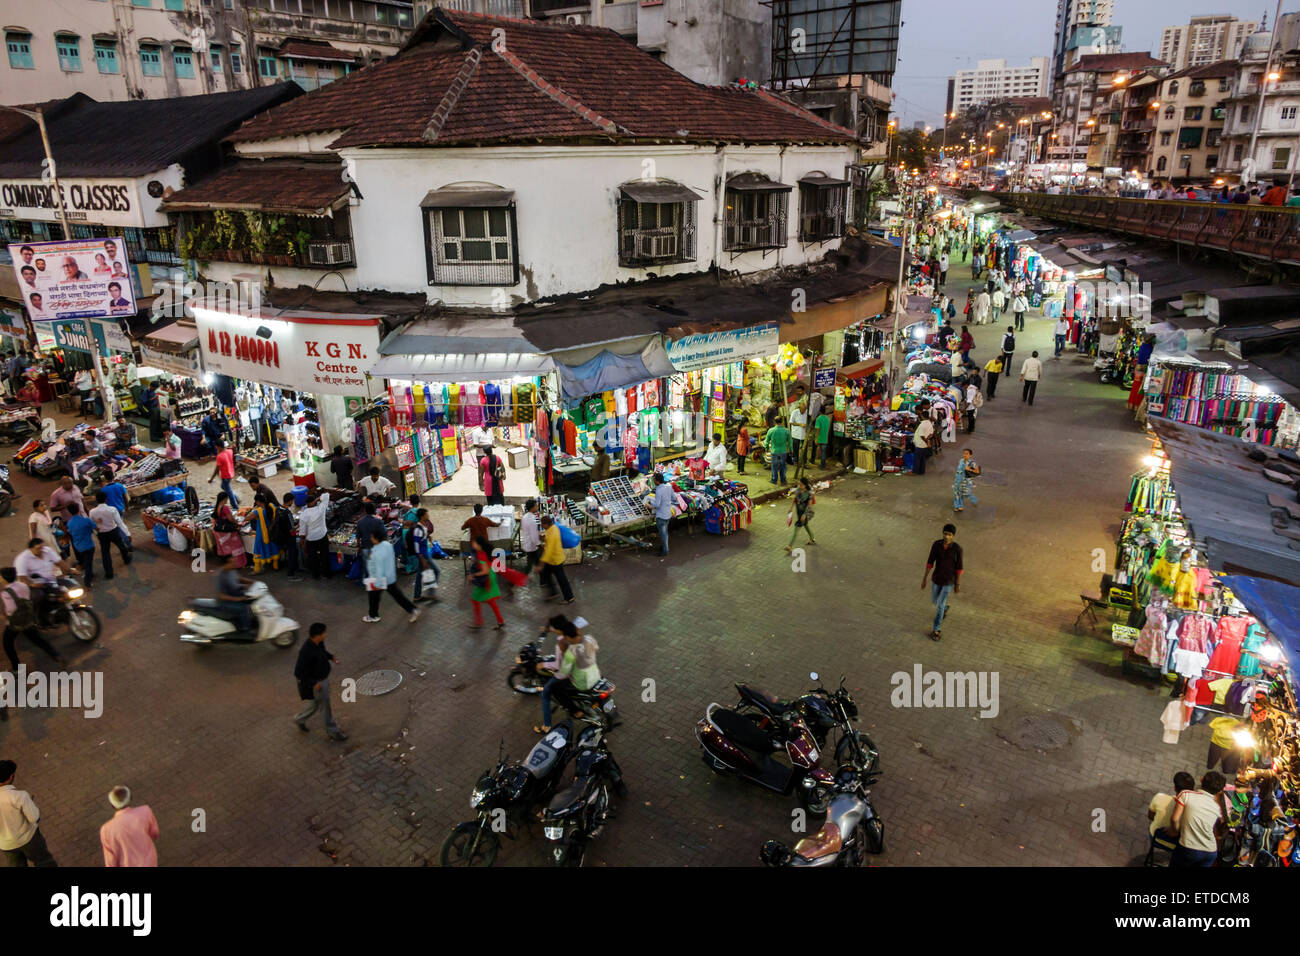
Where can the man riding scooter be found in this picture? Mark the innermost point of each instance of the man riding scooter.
(37, 565)
(231, 594)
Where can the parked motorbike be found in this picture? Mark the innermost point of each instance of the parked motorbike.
(577, 814)
(6, 499)
(851, 831)
(734, 743)
(207, 622)
(825, 712)
(530, 674)
(62, 607)
(506, 797)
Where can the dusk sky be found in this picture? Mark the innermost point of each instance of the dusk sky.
(939, 37)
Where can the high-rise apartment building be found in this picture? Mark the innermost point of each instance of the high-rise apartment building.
(1078, 20)
(1203, 40)
(993, 80)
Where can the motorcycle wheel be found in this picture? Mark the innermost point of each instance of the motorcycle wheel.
(815, 800)
(844, 750)
(521, 683)
(84, 623)
(287, 639)
(569, 853)
(874, 835)
(457, 845)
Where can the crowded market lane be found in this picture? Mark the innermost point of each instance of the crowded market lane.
(209, 729)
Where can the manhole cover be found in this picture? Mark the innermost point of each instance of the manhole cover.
(1040, 733)
(378, 682)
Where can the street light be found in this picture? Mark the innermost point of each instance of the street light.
(38, 118)
(1271, 76)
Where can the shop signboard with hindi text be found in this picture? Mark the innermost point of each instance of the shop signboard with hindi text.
(711, 349)
(74, 279)
(324, 353)
(824, 377)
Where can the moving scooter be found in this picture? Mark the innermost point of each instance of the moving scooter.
(530, 674)
(207, 622)
(62, 606)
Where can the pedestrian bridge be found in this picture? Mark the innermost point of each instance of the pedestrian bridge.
(1260, 232)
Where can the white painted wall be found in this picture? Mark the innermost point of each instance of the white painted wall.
(566, 211)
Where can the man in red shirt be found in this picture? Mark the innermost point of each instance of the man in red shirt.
(1276, 196)
(225, 470)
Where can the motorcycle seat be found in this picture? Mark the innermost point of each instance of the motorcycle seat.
(824, 842)
(569, 795)
(752, 695)
(742, 731)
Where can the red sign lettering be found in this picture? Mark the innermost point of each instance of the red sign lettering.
(311, 349)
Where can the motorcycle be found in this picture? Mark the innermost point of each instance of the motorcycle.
(207, 622)
(530, 674)
(505, 797)
(852, 829)
(62, 606)
(824, 712)
(577, 814)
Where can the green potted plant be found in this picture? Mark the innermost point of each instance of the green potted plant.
(301, 239)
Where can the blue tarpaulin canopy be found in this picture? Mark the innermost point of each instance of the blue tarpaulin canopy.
(1277, 606)
(608, 370)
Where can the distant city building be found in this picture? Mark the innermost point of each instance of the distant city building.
(993, 80)
(1204, 40)
(1073, 16)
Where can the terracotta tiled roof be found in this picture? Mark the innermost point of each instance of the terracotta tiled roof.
(284, 186)
(314, 50)
(551, 82)
(1209, 71)
(1101, 62)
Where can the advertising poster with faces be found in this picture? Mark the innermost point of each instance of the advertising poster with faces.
(75, 279)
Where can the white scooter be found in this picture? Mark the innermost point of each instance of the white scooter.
(207, 622)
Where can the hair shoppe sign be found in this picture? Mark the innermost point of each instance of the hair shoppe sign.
(319, 352)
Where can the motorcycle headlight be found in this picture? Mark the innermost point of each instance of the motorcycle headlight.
(476, 797)
(185, 617)
(554, 833)
(75, 593)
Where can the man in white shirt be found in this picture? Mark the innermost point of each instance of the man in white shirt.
(1061, 330)
(921, 440)
(974, 399)
(1031, 370)
(530, 535)
(716, 456)
(312, 528)
(38, 563)
(1019, 306)
(376, 485)
(20, 832)
(943, 268)
(798, 429)
(480, 438)
(111, 530)
(999, 300)
(1197, 818)
(982, 305)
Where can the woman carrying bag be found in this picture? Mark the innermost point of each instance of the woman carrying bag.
(802, 513)
(487, 590)
(226, 532)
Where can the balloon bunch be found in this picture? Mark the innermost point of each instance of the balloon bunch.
(789, 360)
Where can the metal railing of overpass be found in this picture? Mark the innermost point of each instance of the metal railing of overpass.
(1262, 232)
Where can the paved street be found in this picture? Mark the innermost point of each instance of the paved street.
(209, 729)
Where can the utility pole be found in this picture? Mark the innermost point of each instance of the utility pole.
(1263, 87)
(51, 173)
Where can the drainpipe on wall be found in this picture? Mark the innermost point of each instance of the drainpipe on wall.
(719, 206)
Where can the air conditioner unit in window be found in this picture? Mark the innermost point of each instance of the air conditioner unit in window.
(656, 247)
(329, 253)
(578, 18)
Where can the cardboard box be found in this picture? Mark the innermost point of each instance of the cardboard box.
(865, 459)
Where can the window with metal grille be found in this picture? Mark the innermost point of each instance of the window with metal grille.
(1287, 117)
(69, 49)
(756, 219)
(473, 246)
(214, 57)
(1165, 138)
(150, 59)
(655, 232)
(822, 212)
(19, 46)
(106, 56)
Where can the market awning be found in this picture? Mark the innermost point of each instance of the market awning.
(1223, 495)
(609, 369)
(1276, 605)
(658, 191)
(467, 198)
(177, 337)
(1021, 235)
(300, 188)
(459, 349)
(859, 370)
